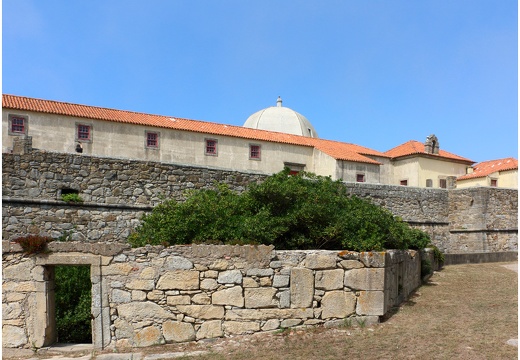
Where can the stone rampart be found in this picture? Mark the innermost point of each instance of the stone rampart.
(155, 295)
(117, 192)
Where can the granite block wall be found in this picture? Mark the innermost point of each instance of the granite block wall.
(155, 295)
(117, 192)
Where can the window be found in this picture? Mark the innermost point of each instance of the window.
(254, 152)
(494, 182)
(360, 178)
(211, 147)
(442, 183)
(17, 125)
(429, 183)
(152, 140)
(403, 182)
(83, 132)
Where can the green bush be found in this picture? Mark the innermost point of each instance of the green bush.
(303, 211)
(73, 304)
(71, 197)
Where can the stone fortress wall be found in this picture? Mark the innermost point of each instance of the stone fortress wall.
(156, 295)
(117, 192)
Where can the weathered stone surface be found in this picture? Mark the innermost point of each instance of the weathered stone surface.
(11, 311)
(230, 296)
(138, 311)
(238, 327)
(138, 295)
(180, 280)
(351, 264)
(148, 336)
(373, 258)
(266, 314)
(248, 282)
(201, 299)
(260, 298)
(13, 336)
(329, 279)
(178, 331)
(18, 272)
(285, 299)
(260, 272)
(178, 300)
(287, 323)
(371, 303)
(15, 286)
(121, 296)
(219, 265)
(117, 269)
(230, 277)
(338, 304)
(178, 263)
(155, 295)
(140, 285)
(208, 284)
(13, 297)
(203, 312)
(302, 287)
(365, 279)
(123, 329)
(320, 261)
(211, 274)
(148, 273)
(210, 329)
(271, 324)
(281, 281)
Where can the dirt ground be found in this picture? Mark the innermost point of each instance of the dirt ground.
(463, 312)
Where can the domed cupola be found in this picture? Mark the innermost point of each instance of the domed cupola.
(281, 119)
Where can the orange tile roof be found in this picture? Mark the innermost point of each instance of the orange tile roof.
(486, 168)
(337, 150)
(414, 147)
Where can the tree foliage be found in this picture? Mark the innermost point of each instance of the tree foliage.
(73, 304)
(303, 211)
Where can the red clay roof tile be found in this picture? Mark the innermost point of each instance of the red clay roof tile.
(486, 168)
(414, 147)
(335, 149)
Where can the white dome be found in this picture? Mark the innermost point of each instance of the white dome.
(281, 119)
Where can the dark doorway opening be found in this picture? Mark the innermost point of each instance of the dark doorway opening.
(73, 303)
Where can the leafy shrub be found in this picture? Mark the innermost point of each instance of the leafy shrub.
(73, 304)
(426, 268)
(304, 211)
(33, 244)
(71, 197)
(438, 255)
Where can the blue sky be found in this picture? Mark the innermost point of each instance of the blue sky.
(373, 73)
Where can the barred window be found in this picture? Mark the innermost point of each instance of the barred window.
(254, 152)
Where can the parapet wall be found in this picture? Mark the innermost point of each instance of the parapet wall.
(117, 192)
(156, 295)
